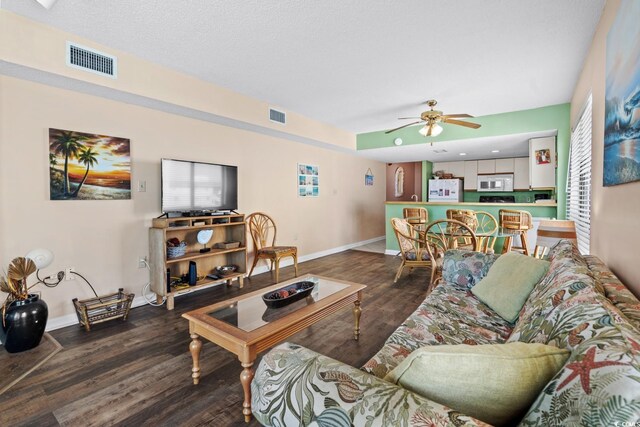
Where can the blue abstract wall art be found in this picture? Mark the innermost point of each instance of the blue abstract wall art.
(622, 106)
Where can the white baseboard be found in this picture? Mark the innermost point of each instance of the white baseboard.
(264, 268)
(392, 252)
(72, 319)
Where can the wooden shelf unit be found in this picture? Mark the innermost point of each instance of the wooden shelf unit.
(225, 228)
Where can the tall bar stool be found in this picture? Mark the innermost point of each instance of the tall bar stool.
(468, 218)
(416, 216)
(518, 222)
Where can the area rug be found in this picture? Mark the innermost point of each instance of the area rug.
(16, 366)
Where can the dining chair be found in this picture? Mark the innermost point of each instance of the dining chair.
(486, 231)
(442, 235)
(263, 233)
(412, 248)
(519, 222)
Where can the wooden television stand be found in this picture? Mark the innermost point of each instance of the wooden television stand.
(229, 227)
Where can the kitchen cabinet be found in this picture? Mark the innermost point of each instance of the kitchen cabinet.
(504, 165)
(471, 175)
(542, 163)
(521, 173)
(486, 166)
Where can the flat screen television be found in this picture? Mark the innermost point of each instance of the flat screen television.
(196, 186)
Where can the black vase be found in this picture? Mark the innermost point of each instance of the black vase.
(24, 324)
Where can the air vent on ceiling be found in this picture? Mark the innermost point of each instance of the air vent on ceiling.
(439, 151)
(277, 116)
(91, 60)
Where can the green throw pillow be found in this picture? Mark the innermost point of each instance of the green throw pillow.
(494, 383)
(509, 282)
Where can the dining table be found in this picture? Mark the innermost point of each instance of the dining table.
(483, 237)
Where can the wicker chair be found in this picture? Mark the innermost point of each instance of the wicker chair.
(467, 217)
(412, 247)
(486, 231)
(263, 233)
(443, 235)
(416, 215)
(519, 222)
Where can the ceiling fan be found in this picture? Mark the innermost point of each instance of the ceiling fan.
(432, 117)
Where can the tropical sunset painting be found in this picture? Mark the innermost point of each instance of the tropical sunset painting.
(85, 166)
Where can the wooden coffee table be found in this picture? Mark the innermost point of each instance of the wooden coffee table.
(246, 327)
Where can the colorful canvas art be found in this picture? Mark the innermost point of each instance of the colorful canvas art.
(543, 156)
(84, 166)
(622, 107)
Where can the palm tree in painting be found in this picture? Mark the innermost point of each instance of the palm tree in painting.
(89, 159)
(68, 144)
(53, 162)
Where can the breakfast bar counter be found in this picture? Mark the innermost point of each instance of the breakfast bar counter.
(438, 210)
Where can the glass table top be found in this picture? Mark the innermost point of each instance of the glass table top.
(251, 313)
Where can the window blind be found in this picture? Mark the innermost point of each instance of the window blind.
(579, 179)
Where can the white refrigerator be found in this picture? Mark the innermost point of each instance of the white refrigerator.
(445, 190)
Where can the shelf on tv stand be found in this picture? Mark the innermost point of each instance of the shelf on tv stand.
(228, 227)
(206, 282)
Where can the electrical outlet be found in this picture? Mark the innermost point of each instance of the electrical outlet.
(142, 262)
(68, 273)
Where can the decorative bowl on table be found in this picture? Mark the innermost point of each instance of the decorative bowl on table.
(288, 294)
(226, 270)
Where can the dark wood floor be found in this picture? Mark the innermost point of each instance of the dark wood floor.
(138, 372)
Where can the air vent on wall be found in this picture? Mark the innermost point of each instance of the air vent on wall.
(277, 116)
(91, 60)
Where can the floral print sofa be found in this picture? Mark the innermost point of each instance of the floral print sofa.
(579, 305)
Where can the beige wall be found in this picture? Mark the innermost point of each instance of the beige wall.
(103, 239)
(30, 44)
(615, 227)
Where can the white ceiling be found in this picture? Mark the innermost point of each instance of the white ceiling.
(355, 64)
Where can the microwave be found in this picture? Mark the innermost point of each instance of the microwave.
(495, 183)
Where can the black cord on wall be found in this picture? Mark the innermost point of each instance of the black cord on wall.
(59, 278)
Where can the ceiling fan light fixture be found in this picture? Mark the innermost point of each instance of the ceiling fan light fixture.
(436, 130)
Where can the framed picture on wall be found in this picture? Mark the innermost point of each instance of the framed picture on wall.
(308, 180)
(368, 177)
(543, 156)
(87, 166)
(621, 160)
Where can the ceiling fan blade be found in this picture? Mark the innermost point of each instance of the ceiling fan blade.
(405, 118)
(462, 123)
(403, 126)
(429, 130)
(455, 116)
